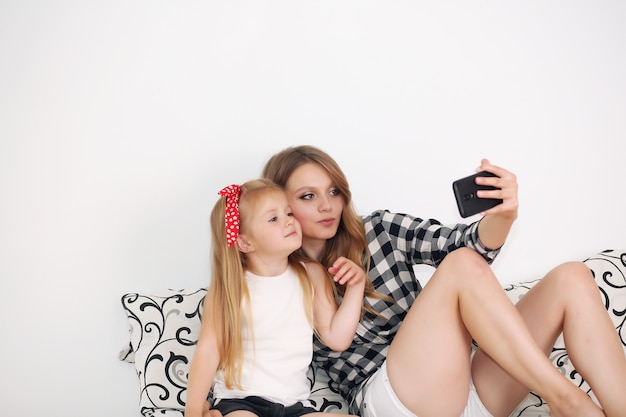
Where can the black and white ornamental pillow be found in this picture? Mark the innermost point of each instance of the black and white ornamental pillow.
(164, 329)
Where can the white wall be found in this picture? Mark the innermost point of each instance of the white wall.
(120, 120)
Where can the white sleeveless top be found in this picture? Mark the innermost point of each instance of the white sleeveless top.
(275, 366)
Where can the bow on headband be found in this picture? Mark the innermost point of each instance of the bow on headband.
(231, 216)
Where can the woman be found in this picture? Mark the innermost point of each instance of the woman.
(412, 355)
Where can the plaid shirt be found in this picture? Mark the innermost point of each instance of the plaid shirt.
(396, 243)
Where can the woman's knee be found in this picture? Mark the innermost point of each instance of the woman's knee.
(573, 272)
(465, 269)
(573, 278)
(467, 261)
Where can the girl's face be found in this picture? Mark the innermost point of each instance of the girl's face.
(315, 201)
(272, 227)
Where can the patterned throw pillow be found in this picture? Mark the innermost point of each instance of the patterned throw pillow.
(323, 396)
(164, 328)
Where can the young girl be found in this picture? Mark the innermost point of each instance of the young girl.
(412, 355)
(262, 308)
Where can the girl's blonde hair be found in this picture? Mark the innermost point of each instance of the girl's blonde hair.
(228, 294)
(349, 241)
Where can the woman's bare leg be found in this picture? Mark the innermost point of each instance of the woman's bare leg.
(428, 361)
(566, 299)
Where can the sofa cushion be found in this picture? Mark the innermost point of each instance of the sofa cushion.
(164, 328)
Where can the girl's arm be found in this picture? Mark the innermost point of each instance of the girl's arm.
(203, 368)
(337, 325)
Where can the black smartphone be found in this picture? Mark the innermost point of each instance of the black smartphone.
(465, 194)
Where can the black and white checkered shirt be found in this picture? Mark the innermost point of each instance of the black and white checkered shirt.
(396, 243)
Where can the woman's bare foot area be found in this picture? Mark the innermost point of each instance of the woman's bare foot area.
(576, 405)
(579, 413)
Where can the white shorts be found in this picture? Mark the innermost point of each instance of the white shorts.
(380, 400)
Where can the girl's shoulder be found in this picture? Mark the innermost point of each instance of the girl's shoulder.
(313, 268)
(316, 272)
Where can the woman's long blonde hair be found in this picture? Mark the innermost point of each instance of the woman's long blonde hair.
(228, 294)
(349, 241)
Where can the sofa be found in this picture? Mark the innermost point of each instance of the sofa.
(164, 327)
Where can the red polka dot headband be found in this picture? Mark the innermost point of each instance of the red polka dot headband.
(231, 216)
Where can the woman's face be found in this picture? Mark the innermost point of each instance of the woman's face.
(315, 201)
